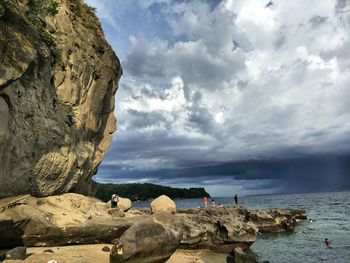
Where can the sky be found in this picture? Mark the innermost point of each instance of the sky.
(237, 96)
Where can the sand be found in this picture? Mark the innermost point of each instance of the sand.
(196, 256)
(67, 254)
(94, 254)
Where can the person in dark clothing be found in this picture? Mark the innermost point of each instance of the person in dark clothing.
(236, 199)
(114, 201)
(327, 242)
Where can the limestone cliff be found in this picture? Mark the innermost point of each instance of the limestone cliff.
(58, 78)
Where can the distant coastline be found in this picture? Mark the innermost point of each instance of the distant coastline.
(147, 191)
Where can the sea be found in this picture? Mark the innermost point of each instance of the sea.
(330, 216)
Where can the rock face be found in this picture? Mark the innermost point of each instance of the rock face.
(275, 220)
(163, 204)
(58, 77)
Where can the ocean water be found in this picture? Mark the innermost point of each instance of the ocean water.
(330, 213)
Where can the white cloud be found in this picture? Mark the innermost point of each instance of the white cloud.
(234, 81)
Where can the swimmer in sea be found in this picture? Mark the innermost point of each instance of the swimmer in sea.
(327, 242)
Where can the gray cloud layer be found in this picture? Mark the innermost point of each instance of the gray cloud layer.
(235, 94)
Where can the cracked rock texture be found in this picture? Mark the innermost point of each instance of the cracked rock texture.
(58, 78)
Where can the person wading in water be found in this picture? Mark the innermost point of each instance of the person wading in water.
(205, 199)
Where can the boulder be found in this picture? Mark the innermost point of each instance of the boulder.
(163, 204)
(146, 242)
(16, 253)
(124, 204)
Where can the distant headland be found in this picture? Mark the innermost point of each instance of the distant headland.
(147, 191)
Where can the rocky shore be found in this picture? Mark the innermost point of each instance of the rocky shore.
(134, 235)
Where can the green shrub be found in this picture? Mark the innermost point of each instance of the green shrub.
(99, 48)
(36, 21)
(53, 8)
(42, 8)
(48, 38)
(77, 4)
(35, 4)
(89, 8)
(4, 7)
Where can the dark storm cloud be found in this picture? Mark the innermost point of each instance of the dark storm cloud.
(317, 20)
(323, 173)
(341, 4)
(200, 118)
(280, 41)
(145, 119)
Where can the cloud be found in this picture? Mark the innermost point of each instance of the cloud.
(231, 83)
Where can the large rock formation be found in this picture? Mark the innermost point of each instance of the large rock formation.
(58, 220)
(58, 77)
(75, 219)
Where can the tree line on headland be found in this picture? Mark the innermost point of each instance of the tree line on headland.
(147, 191)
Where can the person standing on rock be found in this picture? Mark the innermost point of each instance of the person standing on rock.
(212, 203)
(114, 201)
(236, 199)
(205, 199)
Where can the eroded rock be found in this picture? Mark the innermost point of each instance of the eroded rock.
(218, 229)
(60, 220)
(57, 85)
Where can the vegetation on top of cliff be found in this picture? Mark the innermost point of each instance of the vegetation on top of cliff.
(86, 13)
(80, 6)
(37, 10)
(147, 191)
(4, 6)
